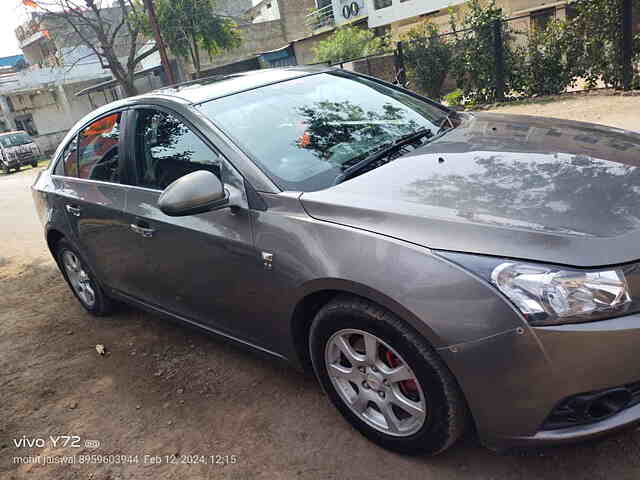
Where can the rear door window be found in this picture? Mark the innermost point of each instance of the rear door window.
(98, 152)
(68, 163)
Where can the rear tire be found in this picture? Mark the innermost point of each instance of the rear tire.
(436, 415)
(82, 280)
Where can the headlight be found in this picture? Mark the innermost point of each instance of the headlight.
(548, 294)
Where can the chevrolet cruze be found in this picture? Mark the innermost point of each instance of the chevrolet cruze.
(435, 269)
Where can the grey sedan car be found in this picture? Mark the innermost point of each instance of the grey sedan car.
(434, 269)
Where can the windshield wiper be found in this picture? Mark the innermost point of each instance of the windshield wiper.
(448, 118)
(385, 150)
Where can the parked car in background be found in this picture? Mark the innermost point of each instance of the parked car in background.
(18, 149)
(434, 269)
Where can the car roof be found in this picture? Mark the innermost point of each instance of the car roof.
(197, 91)
(210, 88)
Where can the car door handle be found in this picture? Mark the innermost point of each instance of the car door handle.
(146, 232)
(75, 211)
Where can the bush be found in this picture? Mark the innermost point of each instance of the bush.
(348, 43)
(427, 58)
(454, 98)
(550, 66)
(473, 62)
(596, 36)
(587, 47)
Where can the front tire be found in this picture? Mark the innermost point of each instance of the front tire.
(81, 280)
(385, 378)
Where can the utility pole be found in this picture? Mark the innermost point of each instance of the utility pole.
(148, 4)
(627, 43)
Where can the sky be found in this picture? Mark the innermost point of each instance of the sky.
(12, 14)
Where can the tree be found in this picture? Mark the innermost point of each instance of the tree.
(473, 59)
(348, 43)
(597, 36)
(428, 58)
(190, 27)
(551, 64)
(110, 34)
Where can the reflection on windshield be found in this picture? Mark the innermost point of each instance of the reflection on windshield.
(15, 139)
(306, 131)
(341, 132)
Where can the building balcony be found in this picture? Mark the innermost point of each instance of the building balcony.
(29, 32)
(321, 18)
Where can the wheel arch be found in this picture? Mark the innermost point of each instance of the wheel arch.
(318, 293)
(53, 237)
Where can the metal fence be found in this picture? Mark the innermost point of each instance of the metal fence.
(394, 66)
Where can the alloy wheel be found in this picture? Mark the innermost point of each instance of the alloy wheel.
(79, 279)
(375, 382)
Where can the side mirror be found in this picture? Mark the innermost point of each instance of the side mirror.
(197, 192)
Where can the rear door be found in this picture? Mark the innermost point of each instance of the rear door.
(200, 267)
(88, 181)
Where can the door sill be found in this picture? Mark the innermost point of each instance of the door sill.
(200, 326)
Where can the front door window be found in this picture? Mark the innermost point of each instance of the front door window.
(167, 149)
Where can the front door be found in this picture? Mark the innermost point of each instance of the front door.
(199, 266)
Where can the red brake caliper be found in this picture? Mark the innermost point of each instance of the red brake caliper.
(406, 386)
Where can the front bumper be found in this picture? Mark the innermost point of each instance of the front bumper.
(13, 163)
(513, 380)
(20, 161)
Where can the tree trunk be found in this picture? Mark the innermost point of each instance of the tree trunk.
(129, 88)
(124, 77)
(196, 57)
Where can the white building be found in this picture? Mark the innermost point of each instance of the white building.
(399, 16)
(41, 99)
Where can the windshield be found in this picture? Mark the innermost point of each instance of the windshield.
(305, 132)
(15, 139)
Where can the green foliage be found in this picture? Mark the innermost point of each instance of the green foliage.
(473, 64)
(427, 58)
(596, 36)
(454, 98)
(537, 62)
(348, 43)
(190, 27)
(549, 67)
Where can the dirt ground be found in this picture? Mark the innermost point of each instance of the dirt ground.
(614, 110)
(164, 390)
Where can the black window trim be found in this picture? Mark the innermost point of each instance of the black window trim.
(122, 150)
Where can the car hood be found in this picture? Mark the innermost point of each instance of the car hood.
(508, 185)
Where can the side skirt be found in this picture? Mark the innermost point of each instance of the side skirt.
(192, 323)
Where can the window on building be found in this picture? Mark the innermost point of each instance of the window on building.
(98, 157)
(323, 3)
(26, 123)
(378, 4)
(541, 18)
(571, 11)
(382, 31)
